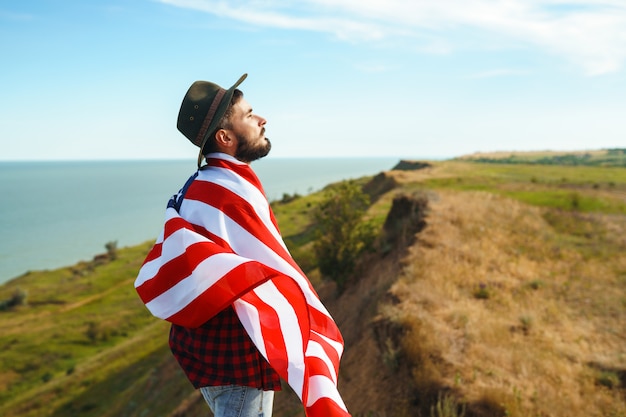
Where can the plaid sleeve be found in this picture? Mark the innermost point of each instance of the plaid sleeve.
(220, 352)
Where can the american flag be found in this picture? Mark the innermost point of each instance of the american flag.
(221, 247)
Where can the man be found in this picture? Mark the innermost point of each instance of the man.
(243, 314)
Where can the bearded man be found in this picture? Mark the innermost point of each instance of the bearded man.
(243, 313)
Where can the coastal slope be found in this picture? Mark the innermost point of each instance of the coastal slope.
(506, 300)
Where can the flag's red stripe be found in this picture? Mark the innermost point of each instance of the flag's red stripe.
(273, 336)
(154, 253)
(274, 221)
(230, 287)
(325, 325)
(177, 269)
(291, 292)
(229, 202)
(240, 211)
(175, 224)
(316, 366)
(211, 236)
(330, 351)
(243, 170)
(325, 407)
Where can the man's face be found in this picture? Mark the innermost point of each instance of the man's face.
(249, 130)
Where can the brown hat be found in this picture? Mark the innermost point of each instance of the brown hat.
(202, 108)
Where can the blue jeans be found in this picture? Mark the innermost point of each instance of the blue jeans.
(237, 401)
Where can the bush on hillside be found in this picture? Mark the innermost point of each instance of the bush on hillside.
(111, 248)
(18, 298)
(342, 234)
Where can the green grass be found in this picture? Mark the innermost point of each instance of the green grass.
(48, 339)
(552, 174)
(580, 188)
(603, 158)
(569, 200)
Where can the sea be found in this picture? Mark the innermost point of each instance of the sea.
(55, 214)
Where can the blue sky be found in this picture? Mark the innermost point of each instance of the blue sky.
(104, 79)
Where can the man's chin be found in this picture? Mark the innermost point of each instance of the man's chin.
(248, 155)
(267, 150)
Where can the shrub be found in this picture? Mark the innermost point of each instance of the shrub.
(609, 379)
(288, 198)
(526, 323)
(111, 248)
(342, 235)
(447, 406)
(482, 292)
(97, 332)
(18, 298)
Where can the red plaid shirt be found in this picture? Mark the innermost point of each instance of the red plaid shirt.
(220, 352)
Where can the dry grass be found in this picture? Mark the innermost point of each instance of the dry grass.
(508, 312)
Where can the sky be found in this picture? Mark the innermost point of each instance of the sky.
(104, 79)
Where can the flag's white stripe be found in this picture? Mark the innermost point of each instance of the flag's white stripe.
(177, 241)
(148, 271)
(246, 244)
(230, 180)
(207, 273)
(161, 236)
(224, 156)
(333, 343)
(252, 194)
(249, 317)
(175, 245)
(291, 334)
(290, 329)
(322, 387)
(242, 242)
(314, 349)
(220, 224)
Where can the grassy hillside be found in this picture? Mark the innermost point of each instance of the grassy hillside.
(511, 302)
(603, 157)
(81, 328)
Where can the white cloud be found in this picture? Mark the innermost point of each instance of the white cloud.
(591, 34)
(270, 14)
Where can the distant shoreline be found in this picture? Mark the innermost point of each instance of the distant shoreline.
(97, 202)
(96, 218)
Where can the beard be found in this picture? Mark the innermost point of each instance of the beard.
(248, 151)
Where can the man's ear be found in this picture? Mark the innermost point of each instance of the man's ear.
(223, 139)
